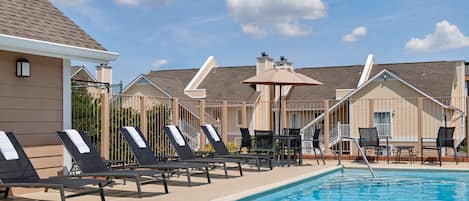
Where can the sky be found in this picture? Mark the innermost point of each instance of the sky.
(174, 34)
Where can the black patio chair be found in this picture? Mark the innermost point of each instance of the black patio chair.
(369, 139)
(186, 154)
(296, 143)
(316, 146)
(246, 140)
(222, 151)
(444, 140)
(264, 141)
(146, 157)
(21, 173)
(91, 165)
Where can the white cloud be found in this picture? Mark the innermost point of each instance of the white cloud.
(446, 36)
(160, 62)
(356, 34)
(261, 17)
(142, 2)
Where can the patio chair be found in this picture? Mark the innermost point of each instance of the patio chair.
(186, 154)
(369, 139)
(264, 142)
(295, 144)
(316, 146)
(87, 158)
(16, 170)
(444, 140)
(246, 141)
(146, 158)
(220, 148)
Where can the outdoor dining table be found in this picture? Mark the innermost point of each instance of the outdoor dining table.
(288, 139)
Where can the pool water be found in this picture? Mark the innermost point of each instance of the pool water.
(354, 184)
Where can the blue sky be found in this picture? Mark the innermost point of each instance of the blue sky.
(169, 34)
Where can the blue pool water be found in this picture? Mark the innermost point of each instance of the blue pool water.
(355, 184)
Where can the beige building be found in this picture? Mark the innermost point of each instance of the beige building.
(35, 102)
(385, 96)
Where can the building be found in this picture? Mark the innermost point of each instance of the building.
(36, 101)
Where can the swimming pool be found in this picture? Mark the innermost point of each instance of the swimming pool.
(357, 184)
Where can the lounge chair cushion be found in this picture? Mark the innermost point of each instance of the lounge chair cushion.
(136, 137)
(78, 141)
(7, 148)
(212, 132)
(177, 135)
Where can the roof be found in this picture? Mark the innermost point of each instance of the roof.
(172, 82)
(224, 83)
(40, 20)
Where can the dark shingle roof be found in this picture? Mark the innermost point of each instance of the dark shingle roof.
(224, 83)
(173, 82)
(40, 20)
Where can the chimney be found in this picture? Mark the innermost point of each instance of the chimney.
(104, 73)
(284, 63)
(264, 62)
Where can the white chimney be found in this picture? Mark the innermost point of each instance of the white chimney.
(104, 73)
(370, 61)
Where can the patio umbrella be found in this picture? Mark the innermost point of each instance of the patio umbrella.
(281, 76)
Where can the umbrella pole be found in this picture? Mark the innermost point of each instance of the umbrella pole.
(280, 112)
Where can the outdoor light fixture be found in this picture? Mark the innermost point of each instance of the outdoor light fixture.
(23, 68)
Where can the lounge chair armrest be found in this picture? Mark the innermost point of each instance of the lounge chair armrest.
(36, 185)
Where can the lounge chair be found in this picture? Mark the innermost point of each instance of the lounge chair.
(90, 163)
(16, 170)
(146, 158)
(186, 154)
(246, 140)
(220, 148)
(444, 139)
(369, 139)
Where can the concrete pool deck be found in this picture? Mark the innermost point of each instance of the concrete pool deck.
(234, 187)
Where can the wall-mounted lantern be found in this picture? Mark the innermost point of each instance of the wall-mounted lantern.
(23, 68)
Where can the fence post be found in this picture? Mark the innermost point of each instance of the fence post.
(371, 115)
(224, 121)
(244, 120)
(175, 110)
(326, 126)
(467, 124)
(202, 122)
(419, 124)
(105, 130)
(284, 114)
(143, 117)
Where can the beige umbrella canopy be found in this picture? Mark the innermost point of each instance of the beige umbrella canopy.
(281, 76)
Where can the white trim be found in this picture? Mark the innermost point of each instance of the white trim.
(44, 48)
(66, 108)
(191, 89)
(370, 61)
(146, 79)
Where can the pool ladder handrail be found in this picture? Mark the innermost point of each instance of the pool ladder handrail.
(355, 141)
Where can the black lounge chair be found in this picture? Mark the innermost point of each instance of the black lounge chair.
(444, 139)
(246, 140)
(222, 151)
(146, 158)
(369, 139)
(91, 165)
(186, 154)
(21, 173)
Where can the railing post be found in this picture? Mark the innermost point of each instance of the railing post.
(143, 117)
(419, 124)
(105, 130)
(202, 122)
(175, 114)
(371, 115)
(326, 126)
(224, 121)
(244, 120)
(284, 114)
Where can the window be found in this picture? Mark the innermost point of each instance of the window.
(383, 123)
(294, 120)
(239, 118)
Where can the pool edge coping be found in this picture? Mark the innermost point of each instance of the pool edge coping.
(264, 188)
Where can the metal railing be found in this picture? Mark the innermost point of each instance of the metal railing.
(365, 159)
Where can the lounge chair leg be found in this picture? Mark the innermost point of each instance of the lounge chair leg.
(46, 190)
(101, 192)
(316, 156)
(139, 188)
(226, 171)
(258, 163)
(439, 155)
(165, 184)
(7, 191)
(62, 194)
(188, 177)
(208, 175)
(240, 169)
(270, 163)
